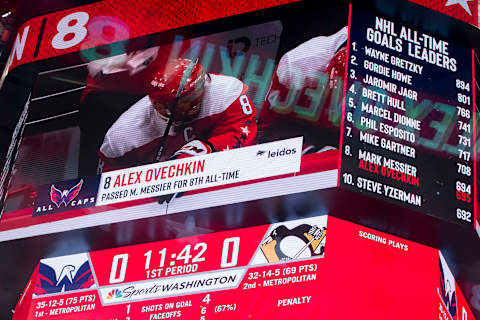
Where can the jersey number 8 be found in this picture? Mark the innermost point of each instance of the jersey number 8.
(246, 106)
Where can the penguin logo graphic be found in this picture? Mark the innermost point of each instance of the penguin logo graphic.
(285, 244)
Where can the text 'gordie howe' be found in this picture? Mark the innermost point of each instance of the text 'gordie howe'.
(255, 162)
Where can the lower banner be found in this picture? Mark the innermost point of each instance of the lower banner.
(288, 270)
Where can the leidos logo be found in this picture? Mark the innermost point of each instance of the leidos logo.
(116, 293)
(65, 196)
(281, 153)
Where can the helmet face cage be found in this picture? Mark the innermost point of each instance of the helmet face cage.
(181, 109)
(177, 92)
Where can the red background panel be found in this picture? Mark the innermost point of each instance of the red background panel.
(357, 277)
(454, 10)
(126, 19)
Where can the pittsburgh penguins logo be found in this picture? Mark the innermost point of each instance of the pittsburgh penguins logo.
(285, 244)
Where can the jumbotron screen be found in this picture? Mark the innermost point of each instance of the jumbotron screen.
(300, 268)
(332, 95)
(146, 119)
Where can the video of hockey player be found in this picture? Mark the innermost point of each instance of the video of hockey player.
(242, 114)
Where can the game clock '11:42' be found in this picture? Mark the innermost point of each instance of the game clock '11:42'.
(165, 262)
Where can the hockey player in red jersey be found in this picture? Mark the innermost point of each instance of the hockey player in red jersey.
(113, 85)
(306, 93)
(187, 112)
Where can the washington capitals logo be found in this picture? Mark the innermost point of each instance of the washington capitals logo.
(448, 293)
(65, 196)
(70, 278)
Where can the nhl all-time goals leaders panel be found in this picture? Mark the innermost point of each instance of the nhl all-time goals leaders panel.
(199, 116)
